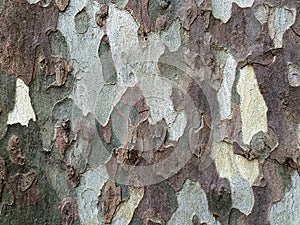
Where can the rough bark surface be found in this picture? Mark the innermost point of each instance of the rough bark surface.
(160, 112)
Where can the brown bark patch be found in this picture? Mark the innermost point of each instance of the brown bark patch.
(23, 187)
(164, 4)
(61, 136)
(71, 176)
(111, 199)
(243, 33)
(161, 23)
(15, 151)
(62, 4)
(3, 174)
(60, 68)
(101, 15)
(281, 98)
(139, 10)
(106, 132)
(187, 13)
(68, 210)
(24, 27)
(154, 205)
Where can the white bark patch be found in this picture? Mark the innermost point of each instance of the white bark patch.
(139, 58)
(297, 130)
(126, 209)
(23, 111)
(241, 174)
(293, 74)
(281, 19)
(253, 107)
(158, 96)
(136, 63)
(33, 1)
(261, 13)
(83, 51)
(192, 201)
(171, 37)
(224, 94)
(122, 33)
(287, 211)
(88, 191)
(242, 200)
(222, 9)
(176, 129)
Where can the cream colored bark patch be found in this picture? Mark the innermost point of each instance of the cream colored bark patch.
(192, 201)
(249, 170)
(229, 164)
(241, 174)
(222, 9)
(224, 160)
(253, 106)
(126, 209)
(23, 111)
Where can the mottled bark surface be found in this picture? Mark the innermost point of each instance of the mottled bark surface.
(149, 112)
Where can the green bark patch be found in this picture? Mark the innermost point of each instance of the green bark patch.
(82, 21)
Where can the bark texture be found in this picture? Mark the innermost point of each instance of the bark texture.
(132, 112)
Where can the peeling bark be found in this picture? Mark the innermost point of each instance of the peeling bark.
(15, 151)
(149, 112)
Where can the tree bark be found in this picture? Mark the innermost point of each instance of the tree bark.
(149, 112)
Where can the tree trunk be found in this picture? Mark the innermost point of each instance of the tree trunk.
(149, 112)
